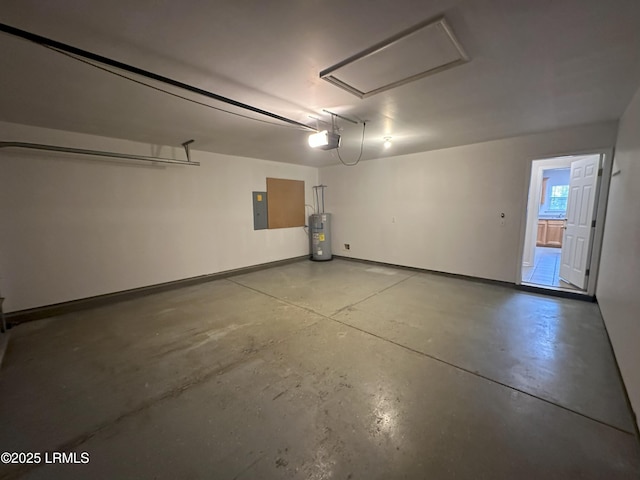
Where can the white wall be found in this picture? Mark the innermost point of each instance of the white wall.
(618, 290)
(73, 228)
(440, 210)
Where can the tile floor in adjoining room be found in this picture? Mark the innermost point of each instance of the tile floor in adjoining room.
(546, 269)
(321, 370)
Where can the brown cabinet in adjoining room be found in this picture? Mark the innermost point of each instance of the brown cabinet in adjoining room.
(542, 233)
(555, 229)
(550, 233)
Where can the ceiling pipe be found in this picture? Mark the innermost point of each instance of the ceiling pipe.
(32, 37)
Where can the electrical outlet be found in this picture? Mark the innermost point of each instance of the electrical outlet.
(347, 246)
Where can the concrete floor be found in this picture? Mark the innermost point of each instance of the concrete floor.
(329, 370)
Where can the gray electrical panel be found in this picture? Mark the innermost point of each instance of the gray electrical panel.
(260, 219)
(320, 233)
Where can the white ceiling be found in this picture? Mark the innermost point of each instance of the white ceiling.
(535, 65)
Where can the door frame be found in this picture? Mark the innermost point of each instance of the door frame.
(533, 196)
(602, 195)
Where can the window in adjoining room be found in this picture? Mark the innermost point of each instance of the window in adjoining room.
(559, 195)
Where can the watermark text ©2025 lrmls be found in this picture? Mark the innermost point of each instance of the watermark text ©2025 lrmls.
(45, 457)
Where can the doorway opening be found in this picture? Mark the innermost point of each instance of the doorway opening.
(560, 228)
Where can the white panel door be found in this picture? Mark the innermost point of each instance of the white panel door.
(577, 235)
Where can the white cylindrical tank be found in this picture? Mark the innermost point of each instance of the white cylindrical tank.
(320, 233)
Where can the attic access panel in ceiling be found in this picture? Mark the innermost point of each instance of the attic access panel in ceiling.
(424, 49)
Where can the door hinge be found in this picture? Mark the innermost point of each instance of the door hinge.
(593, 224)
(586, 274)
(600, 172)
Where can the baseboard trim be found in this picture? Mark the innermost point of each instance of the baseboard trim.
(556, 293)
(434, 272)
(526, 288)
(38, 313)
